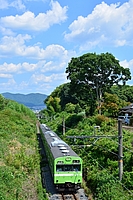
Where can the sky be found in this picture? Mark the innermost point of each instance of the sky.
(38, 38)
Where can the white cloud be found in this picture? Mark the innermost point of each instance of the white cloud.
(5, 86)
(127, 64)
(18, 5)
(6, 76)
(16, 46)
(29, 66)
(103, 26)
(10, 68)
(41, 78)
(4, 4)
(28, 20)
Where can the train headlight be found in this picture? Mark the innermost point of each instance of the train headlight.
(60, 162)
(76, 161)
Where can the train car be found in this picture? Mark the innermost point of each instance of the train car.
(64, 163)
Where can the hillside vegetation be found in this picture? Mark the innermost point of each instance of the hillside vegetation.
(19, 158)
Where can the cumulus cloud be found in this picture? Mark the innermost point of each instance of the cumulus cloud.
(103, 26)
(9, 68)
(41, 22)
(16, 46)
(41, 78)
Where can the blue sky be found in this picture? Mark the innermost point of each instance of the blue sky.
(38, 38)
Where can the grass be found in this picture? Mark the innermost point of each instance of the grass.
(19, 157)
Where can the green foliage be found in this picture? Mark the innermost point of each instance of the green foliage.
(20, 108)
(100, 157)
(99, 119)
(107, 187)
(70, 108)
(53, 105)
(128, 180)
(73, 120)
(123, 92)
(64, 93)
(3, 102)
(19, 157)
(91, 75)
(110, 105)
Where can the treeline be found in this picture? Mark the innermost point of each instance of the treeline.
(65, 99)
(97, 85)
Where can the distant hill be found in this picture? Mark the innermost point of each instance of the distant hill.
(29, 100)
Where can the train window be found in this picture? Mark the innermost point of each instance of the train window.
(68, 168)
(76, 168)
(59, 168)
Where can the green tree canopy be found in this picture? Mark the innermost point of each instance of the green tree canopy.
(3, 102)
(91, 72)
(124, 92)
(64, 93)
(112, 104)
(53, 104)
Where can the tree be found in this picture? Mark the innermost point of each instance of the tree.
(91, 72)
(53, 104)
(3, 102)
(124, 92)
(64, 93)
(111, 104)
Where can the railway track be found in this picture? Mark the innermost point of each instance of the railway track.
(64, 197)
(69, 197)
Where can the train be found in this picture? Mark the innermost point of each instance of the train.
(65, 165)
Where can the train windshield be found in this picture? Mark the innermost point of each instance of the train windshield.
(67, 168)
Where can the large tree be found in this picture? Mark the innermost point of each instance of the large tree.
(91, 72)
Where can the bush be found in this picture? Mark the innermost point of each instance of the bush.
(99, 119)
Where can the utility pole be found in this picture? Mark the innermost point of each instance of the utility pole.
(120, 149)
(63, 125)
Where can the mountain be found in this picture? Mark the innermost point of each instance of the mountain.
(30, 100)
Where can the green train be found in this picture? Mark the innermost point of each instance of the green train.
(64, 163)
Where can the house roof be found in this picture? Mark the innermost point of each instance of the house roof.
(127, 109)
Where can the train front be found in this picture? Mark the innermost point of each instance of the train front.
(68, 173)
